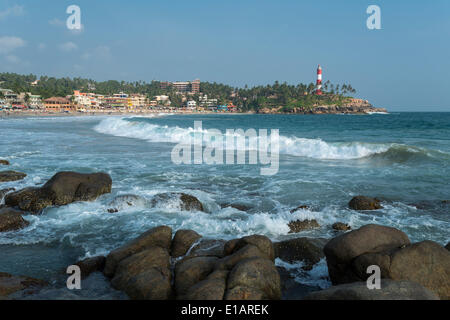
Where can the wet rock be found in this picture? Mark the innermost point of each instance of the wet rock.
(249, 251)
(300, 207)
(263, 243)
(160, 236)
(4, 162)
(183, 241)
(238, 206)
(90, 265)
(309, 250)
(63, 188)
(11, 219)
(208, 248)
(10, 284)
(343, 249)
(426, 262)
(301, 225)
(254, 278)
(191, 271)
(212, 288)
(6, 176)
(364, 203)
(390, 290)
(340, 226)
(145, 275)
(186, 201)
(447, 246)
(125, 201)
(291, 289)
(4, 192)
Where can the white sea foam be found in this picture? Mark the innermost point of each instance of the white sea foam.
(312, 148)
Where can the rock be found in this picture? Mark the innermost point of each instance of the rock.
(160, 236)
(125, 201)
(63, 188)
(249, 251)
(183, 241)
(340, 226)
(186, 201)
(191, 271)
(11, 219)
(297, 226)
(4, 162)
(364, 203)
(212, 288)
(253, 278)
(4, 192)
(90, 265)
(263, 243)
(208, 248)
(309, 250)
(10, 284)
(447, 246)
(291, 289)
(229, 246)
(300, 207)
(390, 290)
(154, 263)
(6, 176)
(426, 262)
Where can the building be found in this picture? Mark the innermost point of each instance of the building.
(191, 104)
(191, 87)
(34, 100)
(58, 104)
(138, 100)
(204, 101)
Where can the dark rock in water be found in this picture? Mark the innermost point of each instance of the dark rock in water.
(90, 265)
(263, 243)
(63, 188)
(253, 278)
(6, 176)
(124, 201)
(145, 275)
(340, 226)
(447, 246)
(191, 271)
(187, 202)
(343, 249)
(238, 206)
(208, 248)
(291, 289)
(298, 225)
(212, 288)
(159, 236)
(249, 251)
(10, 284)
(390, 290)
(4, 162)
(4, 192)
(309, 250)
(182, 241)
(300, 207)
(364, 203)
(11, 219)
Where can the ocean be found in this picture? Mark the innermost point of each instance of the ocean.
(324, 160)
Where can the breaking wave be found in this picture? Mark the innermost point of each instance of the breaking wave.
(295, 146)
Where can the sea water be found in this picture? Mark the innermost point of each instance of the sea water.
(401, 158)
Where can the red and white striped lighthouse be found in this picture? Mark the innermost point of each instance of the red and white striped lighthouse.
(319, 81)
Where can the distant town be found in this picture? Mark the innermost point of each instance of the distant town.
(28, 94)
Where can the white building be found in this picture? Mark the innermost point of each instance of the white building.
(191, 104)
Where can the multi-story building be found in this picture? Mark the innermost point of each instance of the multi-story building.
(204, 101)
(58, 104)
(138, 100)
(191, 87)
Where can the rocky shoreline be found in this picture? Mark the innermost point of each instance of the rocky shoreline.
(161, 264)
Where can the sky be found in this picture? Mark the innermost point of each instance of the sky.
(404, 66)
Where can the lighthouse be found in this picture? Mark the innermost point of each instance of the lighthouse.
(319, 81)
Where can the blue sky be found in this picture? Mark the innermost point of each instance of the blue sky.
(403, 66)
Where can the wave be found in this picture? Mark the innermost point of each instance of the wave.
(295, 146)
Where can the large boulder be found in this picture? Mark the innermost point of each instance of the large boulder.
(183, 241)
(63, 188)
(255, 279)
(207, 248)
(340, 226)
(125, 201)
(263, 243)
(160, 236)
(364, 203)
(301, 225)
(189, 272)
(249, 251)
(90, 265)
(4, 192)
(212, 288)
(10, 284)
(390, 290)
(4, 162)
(426, 262)
(6, 176)
(186, 202)
(309, 250)
(11, 219)
(145, 275)
(447, 246)
(343, 249)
